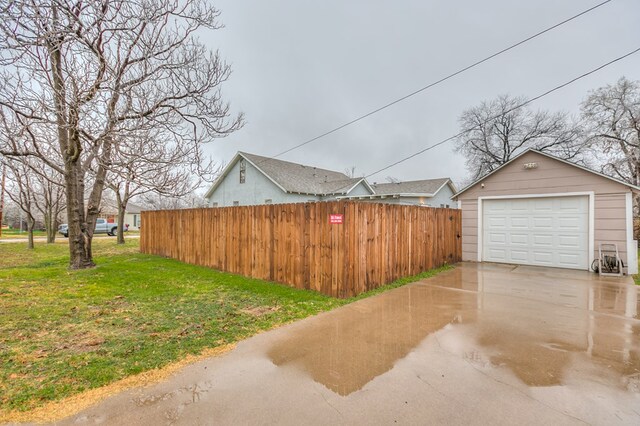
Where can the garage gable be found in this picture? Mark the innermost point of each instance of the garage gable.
(534, 172)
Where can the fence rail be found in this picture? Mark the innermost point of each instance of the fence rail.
(296, 244)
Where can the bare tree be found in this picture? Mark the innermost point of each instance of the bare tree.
(497, 130)
(91, 73)
(612, 116)
(22, 191)
(148, 162)
(154, 201)
(49, 201)
(350, 171)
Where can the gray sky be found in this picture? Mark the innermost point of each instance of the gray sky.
(301, 68)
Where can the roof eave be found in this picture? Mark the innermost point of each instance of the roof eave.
(631, 186)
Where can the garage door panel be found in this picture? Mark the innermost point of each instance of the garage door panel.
(545, 240)
(520, 222)
(519, 255)
(498, 237)
(497, 222)
(500, 255)
(544, 222)
(571, 222)
(566, 241)
(570, 260)
(537, 231)
(519, 207)
(496, 207)
(520, 239)
(543, 257)
(569, 204)
(542, 204)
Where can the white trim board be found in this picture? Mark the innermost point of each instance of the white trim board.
(590, 194)
(632, 245)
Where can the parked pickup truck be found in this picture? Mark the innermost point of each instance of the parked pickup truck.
(102, 227)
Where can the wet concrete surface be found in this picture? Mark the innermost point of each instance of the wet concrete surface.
(480, 344)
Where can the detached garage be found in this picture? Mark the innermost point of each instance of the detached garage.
(540, 210)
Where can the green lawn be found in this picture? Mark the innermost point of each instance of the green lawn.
(63, 332)
(15, 233)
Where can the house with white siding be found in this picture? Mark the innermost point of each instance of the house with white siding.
(251, 179)
(427, 192)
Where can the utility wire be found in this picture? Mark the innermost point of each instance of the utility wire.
(443, 79)
(535, 98)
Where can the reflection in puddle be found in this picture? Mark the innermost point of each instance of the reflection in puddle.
(352, 346)
(524, 319)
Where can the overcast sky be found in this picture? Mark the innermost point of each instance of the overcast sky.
(301, 68)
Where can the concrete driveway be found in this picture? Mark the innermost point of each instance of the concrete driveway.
(481, 344)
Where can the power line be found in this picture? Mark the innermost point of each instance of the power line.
(535, 98)
(443, 79)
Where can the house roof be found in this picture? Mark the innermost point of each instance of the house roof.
(549, 156)
(426, 187)
(296, 178)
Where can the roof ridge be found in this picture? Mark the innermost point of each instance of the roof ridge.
(290, 162)
(412, 181)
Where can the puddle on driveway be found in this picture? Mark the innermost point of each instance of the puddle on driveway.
(537, 324)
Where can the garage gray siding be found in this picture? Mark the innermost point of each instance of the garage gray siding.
(549, 177)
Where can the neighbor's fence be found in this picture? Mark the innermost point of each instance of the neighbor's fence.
(298, 245)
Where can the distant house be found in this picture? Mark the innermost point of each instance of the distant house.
(428, 192)
(251, 179)
(109, 211)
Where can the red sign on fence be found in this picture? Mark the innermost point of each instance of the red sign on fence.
(336, 219)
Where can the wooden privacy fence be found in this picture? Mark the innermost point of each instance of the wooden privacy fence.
(306, 246)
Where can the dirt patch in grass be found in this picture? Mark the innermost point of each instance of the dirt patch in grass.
(259, 311)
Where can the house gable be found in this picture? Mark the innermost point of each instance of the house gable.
(360, 189)
(443, 196)
(257, 188)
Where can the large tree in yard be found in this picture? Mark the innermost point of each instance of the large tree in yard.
(496, 131)
(612, 114)
(94, 72)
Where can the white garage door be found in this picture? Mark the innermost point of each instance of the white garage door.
(537, 231)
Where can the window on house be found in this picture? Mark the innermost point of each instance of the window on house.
(268, 201)
(243, 170)
(236, 203)
(447, 205)
(442, 205)
(135, 220)
(214, 204)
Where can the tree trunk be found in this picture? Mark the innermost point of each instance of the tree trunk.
(31, 223)
(80, 255)
(67, 117)
(121, 224)
(50, 227)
